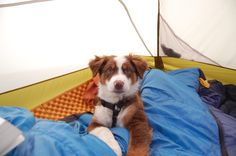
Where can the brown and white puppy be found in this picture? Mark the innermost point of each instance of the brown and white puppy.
(118, 101)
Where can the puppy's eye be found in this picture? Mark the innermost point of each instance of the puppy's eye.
(109, 71)
(127, 71)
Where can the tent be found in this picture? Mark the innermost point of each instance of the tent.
(45, 45)
(43, 40)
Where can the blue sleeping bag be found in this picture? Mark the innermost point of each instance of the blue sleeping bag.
(57, 138)
(182, 125)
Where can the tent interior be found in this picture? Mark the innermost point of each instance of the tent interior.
(46, 45)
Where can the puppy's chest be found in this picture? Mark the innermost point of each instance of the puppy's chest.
(104, 115)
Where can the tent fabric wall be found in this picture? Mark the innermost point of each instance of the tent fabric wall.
(45, 47)
(173, 46)
(41, 41)
(34, 95)
(225, 75)
(207, 26)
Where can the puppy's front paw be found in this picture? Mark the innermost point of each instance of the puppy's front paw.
(105, 135)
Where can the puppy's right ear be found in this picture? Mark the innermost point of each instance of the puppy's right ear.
(97, 64)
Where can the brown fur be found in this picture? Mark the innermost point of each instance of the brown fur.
(94, 124)
(135, 120)
(140, 132)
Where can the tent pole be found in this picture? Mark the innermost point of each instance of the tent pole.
(158, 60)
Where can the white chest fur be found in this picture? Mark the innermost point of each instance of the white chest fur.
(103, 116)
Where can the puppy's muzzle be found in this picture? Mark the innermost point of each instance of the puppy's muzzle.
(118, 85)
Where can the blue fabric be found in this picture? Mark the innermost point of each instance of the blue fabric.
(229, 129)
(182, 124)
(122, 137)
(215, 95)
(213, 98)
(57, 138)
(20, 117)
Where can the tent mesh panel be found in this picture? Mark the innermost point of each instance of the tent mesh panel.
(67, 103)
(173, 46)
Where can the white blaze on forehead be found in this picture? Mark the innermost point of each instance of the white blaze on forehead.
(120, 60)
(107, 91)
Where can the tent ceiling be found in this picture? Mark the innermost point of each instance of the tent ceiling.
(43, 40)
(208, 26)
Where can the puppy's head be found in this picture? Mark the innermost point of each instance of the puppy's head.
(118, 74)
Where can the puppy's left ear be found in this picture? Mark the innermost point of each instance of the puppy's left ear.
(139, 64)
(96, 64)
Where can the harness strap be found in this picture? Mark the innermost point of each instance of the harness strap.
(115, 107)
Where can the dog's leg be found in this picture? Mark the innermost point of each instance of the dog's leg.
(140, 136)
(140, 140)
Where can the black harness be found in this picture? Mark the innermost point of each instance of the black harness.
(116, 108)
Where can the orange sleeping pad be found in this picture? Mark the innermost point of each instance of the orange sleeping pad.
(69, 102)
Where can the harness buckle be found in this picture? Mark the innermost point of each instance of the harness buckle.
(117, 108)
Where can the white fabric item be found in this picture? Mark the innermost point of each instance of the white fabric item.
(105, 135)
(11, 135)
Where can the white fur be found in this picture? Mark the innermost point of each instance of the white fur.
(112, 97)
(119, 62)
(106, 91)
(121, 115)
(119, 76)
(103, 115)
(106, 136)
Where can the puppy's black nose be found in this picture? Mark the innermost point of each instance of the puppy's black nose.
(118, 84)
